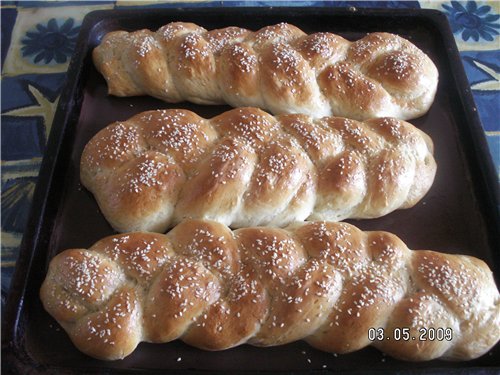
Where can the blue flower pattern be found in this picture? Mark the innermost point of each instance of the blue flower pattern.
(51, 42)
(471, 21)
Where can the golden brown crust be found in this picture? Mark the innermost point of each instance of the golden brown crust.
(323, 282)
(246, 168)
(278, 68)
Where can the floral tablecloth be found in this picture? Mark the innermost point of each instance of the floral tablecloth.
(38, 39)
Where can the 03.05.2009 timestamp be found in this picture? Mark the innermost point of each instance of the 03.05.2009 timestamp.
(405, 334)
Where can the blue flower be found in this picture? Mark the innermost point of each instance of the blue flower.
(51, 42)
(471, 21)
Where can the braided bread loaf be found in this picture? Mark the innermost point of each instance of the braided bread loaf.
(326, 283)
(246, 168)
(278, 68)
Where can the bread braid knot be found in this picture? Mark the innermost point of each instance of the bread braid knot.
(323, 282)
(279, 68)
(247, 168)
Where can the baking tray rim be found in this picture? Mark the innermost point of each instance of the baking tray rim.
(69, 103)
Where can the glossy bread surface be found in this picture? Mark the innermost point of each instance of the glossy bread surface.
(245, 168)
(278, 68)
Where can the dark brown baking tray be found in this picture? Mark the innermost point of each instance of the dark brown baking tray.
(459, 215)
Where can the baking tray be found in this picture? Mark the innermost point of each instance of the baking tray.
(459, 214)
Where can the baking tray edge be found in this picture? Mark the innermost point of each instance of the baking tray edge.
(16, 360)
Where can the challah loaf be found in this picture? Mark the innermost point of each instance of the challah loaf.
(246, 168)
(278, 68)
(327, 283)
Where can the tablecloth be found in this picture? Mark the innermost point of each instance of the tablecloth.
(38, 39)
